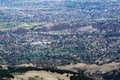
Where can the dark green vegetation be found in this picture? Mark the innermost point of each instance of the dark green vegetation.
(7, 73)
(79, 77)
(113, 75)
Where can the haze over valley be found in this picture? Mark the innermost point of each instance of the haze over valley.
(64, 39)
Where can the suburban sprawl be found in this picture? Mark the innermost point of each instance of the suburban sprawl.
(82, 37)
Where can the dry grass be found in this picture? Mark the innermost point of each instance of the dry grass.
(41, 75)
(93, 68)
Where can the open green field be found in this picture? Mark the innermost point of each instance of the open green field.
(14, 25)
